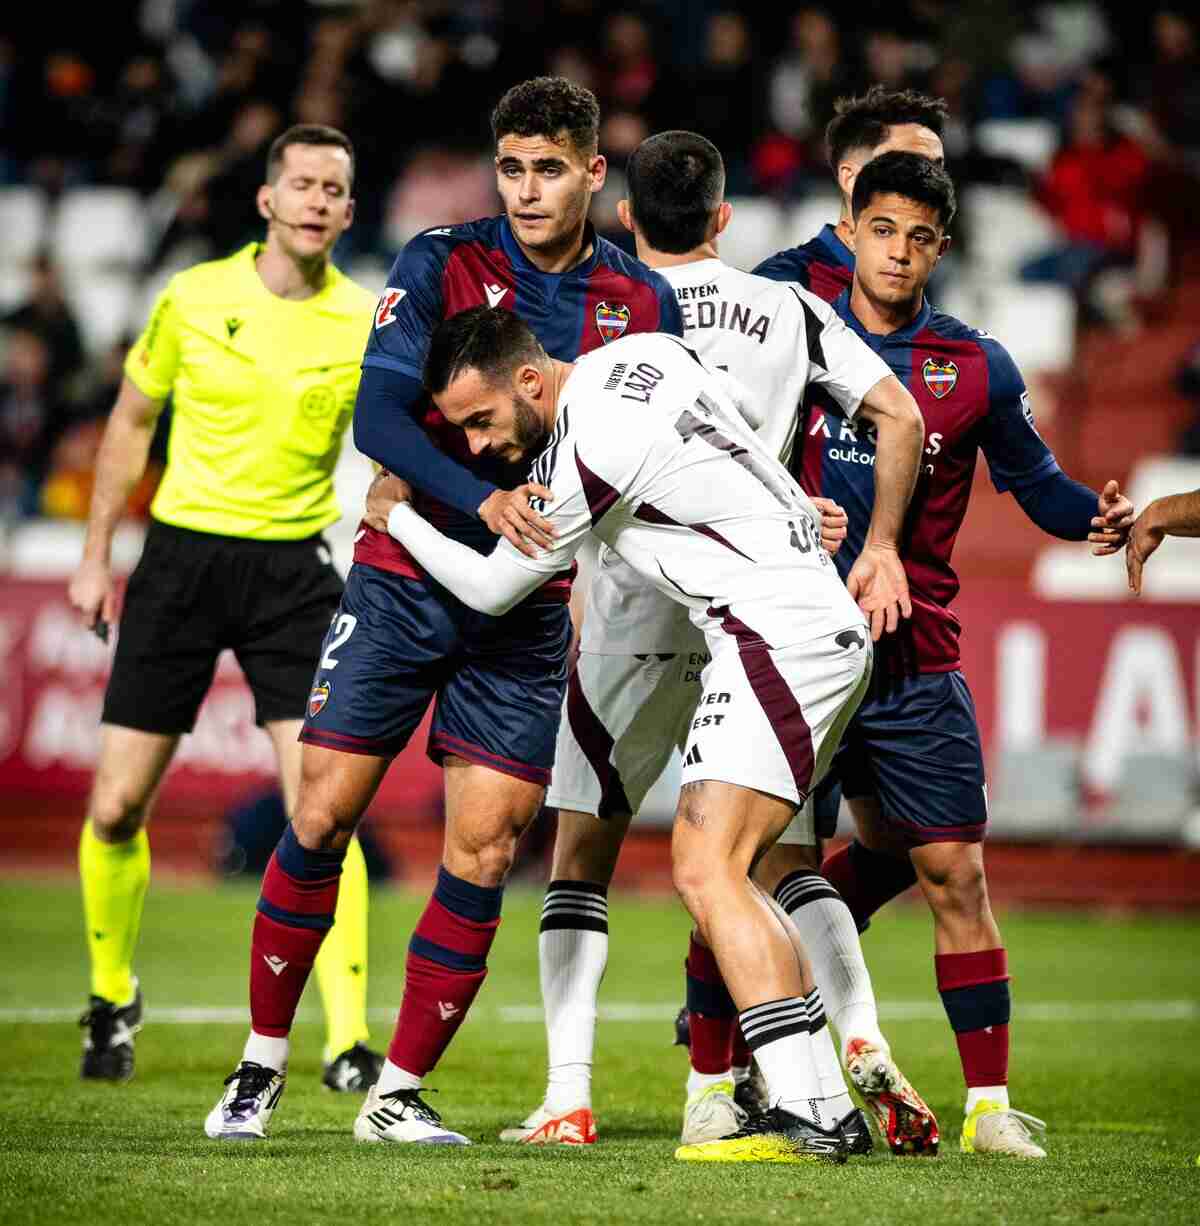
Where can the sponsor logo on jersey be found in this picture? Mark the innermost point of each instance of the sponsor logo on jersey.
(612, 318)
(317, 698)
(940, 377)
(385, 312)
(495, 293)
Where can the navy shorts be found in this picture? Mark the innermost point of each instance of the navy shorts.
(914, 743)
(397, 642)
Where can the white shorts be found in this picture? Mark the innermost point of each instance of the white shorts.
(623, 717)
(771, 719)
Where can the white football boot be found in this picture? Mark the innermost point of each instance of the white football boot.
(402, 1117)
(992, 1128)
(243, 1112)
(710, 1114)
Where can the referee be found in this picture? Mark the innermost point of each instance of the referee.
(260, 354)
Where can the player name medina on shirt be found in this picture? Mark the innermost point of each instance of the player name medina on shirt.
(703, 307)
(862, 438)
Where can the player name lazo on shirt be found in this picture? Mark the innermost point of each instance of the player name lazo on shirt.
(638, 383)
(706, 313)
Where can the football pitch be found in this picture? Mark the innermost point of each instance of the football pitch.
(1106, 1048)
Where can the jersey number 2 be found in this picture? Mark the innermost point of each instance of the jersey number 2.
(343, 628)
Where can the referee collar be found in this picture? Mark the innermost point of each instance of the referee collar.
(250, 254)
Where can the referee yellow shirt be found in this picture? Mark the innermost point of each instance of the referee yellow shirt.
(263, 387)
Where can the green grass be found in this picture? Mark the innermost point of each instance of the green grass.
(1118, 1089)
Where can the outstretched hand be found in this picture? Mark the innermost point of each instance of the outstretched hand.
(1110, 527)
(878, 582)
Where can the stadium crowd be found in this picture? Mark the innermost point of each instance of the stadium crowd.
(179, 101)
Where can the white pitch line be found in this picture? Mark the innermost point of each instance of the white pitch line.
(896, 1010)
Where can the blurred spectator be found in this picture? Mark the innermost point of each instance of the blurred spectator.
(46, 314)
(1172, 83)
(802, 87)
(138, 124)
(1094, 189)
(31, 418)
(66, 489)
(629, 70)
(1187, 380)
(724, 100)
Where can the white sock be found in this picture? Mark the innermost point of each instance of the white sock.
(777, 1031)
(994, 1094)
(572, 955)
(831, 941)
(393, 1077)
(698, 1081)
(834, 1096)
(267, 1050)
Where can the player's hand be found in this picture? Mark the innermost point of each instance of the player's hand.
(1110, 528)
(385, 492)
(507, 513)
(878, 582)
(835, 523)
(93, 592)
(1144, 539)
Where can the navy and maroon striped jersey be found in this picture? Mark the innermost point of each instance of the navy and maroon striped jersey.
(824, 265)
(444, 271)
(972, 398)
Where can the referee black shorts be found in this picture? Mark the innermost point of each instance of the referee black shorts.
(194, 594)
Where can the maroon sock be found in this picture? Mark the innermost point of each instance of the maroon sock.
(712, 1017)
(295, 911)
(866, 879)
(446, 967)
(741, 1049)
(974, 990)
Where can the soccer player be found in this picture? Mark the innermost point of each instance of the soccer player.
(573, 944)
(399, 639)
(647, 448)
(911, 764)
(1172, 515)
(260, 355)
(633, 692)
(878, 121)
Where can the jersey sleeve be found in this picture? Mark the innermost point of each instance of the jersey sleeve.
(787, 265)
(842, 363)
(409, 308)
(153, 362)
(1016, 454)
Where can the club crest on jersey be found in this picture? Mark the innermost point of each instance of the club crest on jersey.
(612, 318)
(385, 312)
(940, 377)
(317, 698)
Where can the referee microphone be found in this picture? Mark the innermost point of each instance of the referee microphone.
(291, 225)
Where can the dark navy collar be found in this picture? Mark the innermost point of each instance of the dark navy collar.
(841, 253)
(515, 253)
(921, 320)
